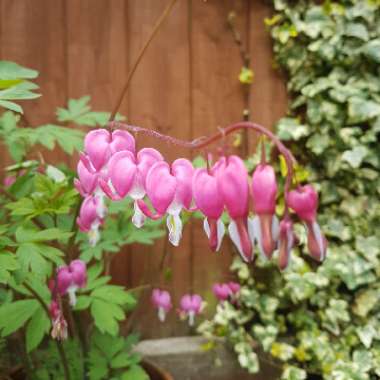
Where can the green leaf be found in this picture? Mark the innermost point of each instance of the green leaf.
(372, 50)
(38, 326)
(12, 71)
(114, 294)
(355, 156)
(360, 110)
(8, 264)
(136, 372)
(16, 314)
(106, 316)
(26, 235)
(356, 30)
(293, 373)
(11, 106)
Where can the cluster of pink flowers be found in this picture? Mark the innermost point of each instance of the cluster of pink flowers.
(68, 280)
(227, 291)
(111, 166)
(190, 305)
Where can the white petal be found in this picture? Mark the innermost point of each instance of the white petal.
(220, 231)
(101, 209)
(206, 227)
(138, 217)
(174, 224)
(161, 314)
(72, 296)
(191, 315)
(93, 234)
(319, 238)
(137, 191)
(257, 233)
(275, 228)
(234, 235)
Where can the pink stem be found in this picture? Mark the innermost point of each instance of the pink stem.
(205, 141)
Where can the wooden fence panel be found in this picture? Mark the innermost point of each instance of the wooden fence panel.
(186, 85)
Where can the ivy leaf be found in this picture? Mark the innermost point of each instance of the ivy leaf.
(16, 314)
(291, 129)
(38, 326)
(357, 30)
(355, 156)
(293, 373)
(372, 50)
(360, 110)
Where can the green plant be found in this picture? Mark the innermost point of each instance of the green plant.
(322, 321)
(39, 233)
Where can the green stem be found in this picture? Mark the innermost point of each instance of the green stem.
(58, 343)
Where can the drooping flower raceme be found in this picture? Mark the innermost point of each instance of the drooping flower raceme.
(162, 301)
(127, 175)
(169, 188)
(70, 278)
(304, 201)
(191, 305)
(232, 181)
(91, 216)
(265, 224)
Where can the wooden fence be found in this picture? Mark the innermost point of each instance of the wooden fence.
(187, 85)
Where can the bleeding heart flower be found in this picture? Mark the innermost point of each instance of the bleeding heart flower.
(100, 144)
(70, 278)
(287, 240)
(170, 190)
(190, 306)
(209, 201)
(87, 182)
(232, 180)
(91, 216)
(9, 180)
(264, 191)
(162, 301)
(221, 291)
(234, 287)
(59, 329)
(127, 176)
(304, 201)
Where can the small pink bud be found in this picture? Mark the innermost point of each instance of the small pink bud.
(221, 291)
(9, 180)
(234, 287)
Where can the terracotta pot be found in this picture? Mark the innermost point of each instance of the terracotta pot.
(154, 372)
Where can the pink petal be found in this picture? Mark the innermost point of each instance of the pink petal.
(264, 189)
(96, 144)
(183, 171)
(161, 186)
(206, 194)
(122, 140)
(122, 172)
(88, 180)
(304, 201)
(233, 184)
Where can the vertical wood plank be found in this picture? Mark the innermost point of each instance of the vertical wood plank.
(217, 101)
(268, 97)
(33, 35)
(159, 99)
(98, 66)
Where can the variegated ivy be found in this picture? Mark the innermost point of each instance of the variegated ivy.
(323, 320)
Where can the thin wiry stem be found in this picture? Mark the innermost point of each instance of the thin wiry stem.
(60, 349)
(156, 28)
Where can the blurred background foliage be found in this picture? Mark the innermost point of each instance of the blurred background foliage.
(322, 322)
